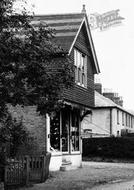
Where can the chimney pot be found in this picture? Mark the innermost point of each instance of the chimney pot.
(83, 9)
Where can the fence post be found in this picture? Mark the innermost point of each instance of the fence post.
(27, 170)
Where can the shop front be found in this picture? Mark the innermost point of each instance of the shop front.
(65, 141)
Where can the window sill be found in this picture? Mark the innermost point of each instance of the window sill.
(81, 85)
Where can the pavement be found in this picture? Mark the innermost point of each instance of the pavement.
(92, 175)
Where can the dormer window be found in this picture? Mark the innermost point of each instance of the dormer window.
(80, 61)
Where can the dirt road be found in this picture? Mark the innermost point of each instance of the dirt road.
(91, 175)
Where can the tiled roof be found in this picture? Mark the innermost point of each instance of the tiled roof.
(66, 27)
(103, 102)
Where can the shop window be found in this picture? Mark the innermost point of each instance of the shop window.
(55, 131)
(65, 129)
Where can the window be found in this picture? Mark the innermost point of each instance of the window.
(80, 61)
(118, 133)
(129, 121)
(117, 116)
(126, 119)
(122, 118)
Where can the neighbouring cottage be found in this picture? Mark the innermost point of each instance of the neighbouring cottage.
(64, 128)
(108, 119)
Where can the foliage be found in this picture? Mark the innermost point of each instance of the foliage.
(33, 70)
(109, 147)
(13, 134)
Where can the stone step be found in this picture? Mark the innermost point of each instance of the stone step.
(67, 165)
(64, 163)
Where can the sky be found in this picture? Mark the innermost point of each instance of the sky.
(114, 46)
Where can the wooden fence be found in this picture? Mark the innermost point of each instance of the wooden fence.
(25, 170)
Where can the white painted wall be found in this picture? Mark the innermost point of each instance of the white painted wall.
(118, 126)
(55, 161)
(99, 123)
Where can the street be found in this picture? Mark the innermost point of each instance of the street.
(92, 175)
(116, 186)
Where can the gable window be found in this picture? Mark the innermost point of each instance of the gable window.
(80, 61)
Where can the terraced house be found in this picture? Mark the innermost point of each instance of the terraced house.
(63, 137)
(109, 117)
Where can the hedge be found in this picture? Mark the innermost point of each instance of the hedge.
(109, 147)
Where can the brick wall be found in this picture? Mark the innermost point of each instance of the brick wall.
(35, 124)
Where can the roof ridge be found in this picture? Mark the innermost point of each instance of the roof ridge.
(59, 14)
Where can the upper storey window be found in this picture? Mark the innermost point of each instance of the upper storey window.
(80, 61)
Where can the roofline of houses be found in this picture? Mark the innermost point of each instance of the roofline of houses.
(109, 107)
(77, 13)
(92, 46)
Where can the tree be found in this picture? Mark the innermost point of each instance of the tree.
(33, 70)
(13, 134)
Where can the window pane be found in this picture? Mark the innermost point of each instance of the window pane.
(75, 131)
(55, 131)
(75, 57)
(80, 62)
(76, 74)
(79, 59)
(65, 130)
(79, 75)
(83, 79)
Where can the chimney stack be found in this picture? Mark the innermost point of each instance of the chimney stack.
(98, 87)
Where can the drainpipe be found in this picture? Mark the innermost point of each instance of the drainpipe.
(110, 121)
